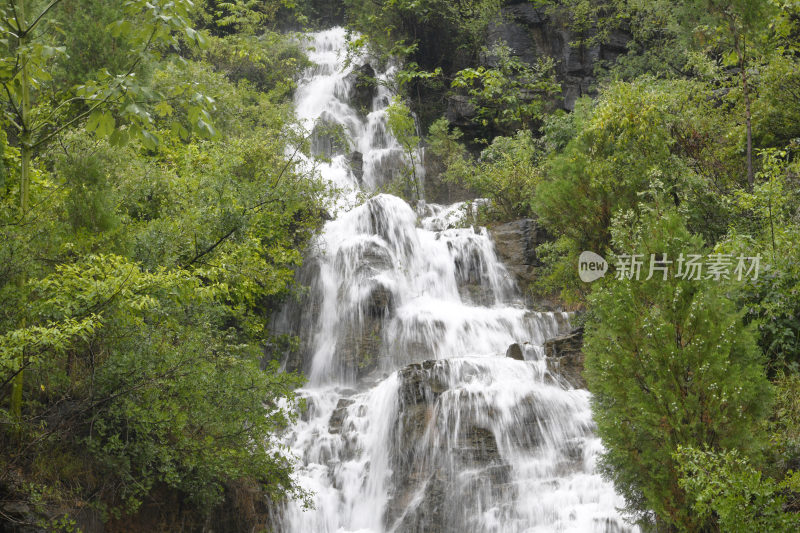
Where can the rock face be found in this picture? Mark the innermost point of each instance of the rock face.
(436, 189)
(422, 464)
(565, 358)
(531, 32)
(364, 87)
(362, 342)
(515, 243)
(460, 111)
(515, 352)
(357, 164)
(327, 137)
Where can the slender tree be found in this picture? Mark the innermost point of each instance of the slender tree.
(113, 104)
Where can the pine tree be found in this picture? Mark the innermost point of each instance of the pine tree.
(670, 364)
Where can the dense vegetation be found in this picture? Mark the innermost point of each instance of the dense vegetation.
(151, 220)
(689, 146)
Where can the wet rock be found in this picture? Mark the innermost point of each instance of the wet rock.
(362, 341)
(460, 111)
(515, 243)
(515, 352)
(299, 316)
(328, 137)
(430, 490)
(471, 277)
(338, 415)
(422, 382)
(477, 445)
(357, 165)
(565, 358)
(534, 32)
(364, 88)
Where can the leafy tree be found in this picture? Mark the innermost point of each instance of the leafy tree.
(511, 94)
(636, 134)
(436, 38)
(670, 364)
(724, 485)
(113, 103)
(404, 127)
(144, 351)
(506, 172)
(735, 28)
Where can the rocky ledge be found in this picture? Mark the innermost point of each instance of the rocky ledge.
(565, 357)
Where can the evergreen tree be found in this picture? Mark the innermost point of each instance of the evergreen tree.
(670, 364)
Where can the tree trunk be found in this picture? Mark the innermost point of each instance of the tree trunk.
(24, 187)
(741, 50)
(749, 125)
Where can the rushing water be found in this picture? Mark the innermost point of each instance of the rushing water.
(415, 419)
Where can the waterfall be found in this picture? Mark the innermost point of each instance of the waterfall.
(414, 419)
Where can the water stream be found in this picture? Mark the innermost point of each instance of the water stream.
(415, 420)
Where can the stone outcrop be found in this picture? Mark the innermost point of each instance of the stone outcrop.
(515, 243)
(299, 315)
(363, 338)
(357, 165)
(533, 32)
(328, 138)
(364, 87)
(565, 358)
(515, 351)
(421, 466)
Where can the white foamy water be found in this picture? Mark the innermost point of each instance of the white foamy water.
(415, 420)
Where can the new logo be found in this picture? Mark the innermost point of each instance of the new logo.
(591, 266)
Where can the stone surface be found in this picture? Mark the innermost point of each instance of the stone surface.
(327, 137)
(565, 358)
(460, 110)
(533, 32)
(363, 337)
(515, 352)
(421, 466)
(364, 87)
(357, 164)
(515, 243)
(338, 415)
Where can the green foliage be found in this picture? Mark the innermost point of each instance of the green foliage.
(268, 62)
(784, 426)
(403, 126)
(637, 134)
(88, 45)
(512, 94)
(244, 17)
(765, 222)
(137, 291)
(506, 172)
(670, 364)
(724, 485)
(389, 23)
(436, 38)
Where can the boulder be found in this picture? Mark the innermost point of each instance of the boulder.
(363, 87)
(338, 415)
(460, 110)
(328, 137)
(357, 165)
(428, 488)
(515, 352)
(515, 243)
(564, 357)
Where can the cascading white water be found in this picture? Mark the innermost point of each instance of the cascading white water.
(415, 420)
